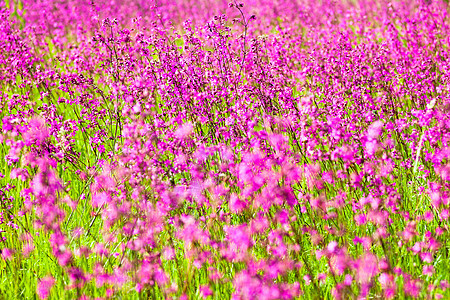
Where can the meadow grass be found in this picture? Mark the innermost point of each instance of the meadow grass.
(217, 151)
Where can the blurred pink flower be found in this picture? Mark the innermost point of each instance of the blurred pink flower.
(44, 286)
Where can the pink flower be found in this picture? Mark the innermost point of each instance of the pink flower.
(412, 287)
(99, 199)
(37, 132)
(307, 279)
(428, 270)
(338, 263)
(371, 147)
(168, 253)
(321, 277)
(20, 173)
(374, 129)
(386, 280)
(205, 291)
(332, 246)
(328, 177)
(367, 268)
(239, 237)
(444, 285)
(27, 248)
(184, 131)
(360, 219)
(236, 205)
(6, 253)
(426, 257)
(44, 286)
(348, 280)
(428, 216)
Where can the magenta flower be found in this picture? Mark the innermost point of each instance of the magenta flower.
(367, 268)
(6, 253)
(44, 286)
(205, 291)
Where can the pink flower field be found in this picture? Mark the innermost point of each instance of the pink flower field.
(286, 149)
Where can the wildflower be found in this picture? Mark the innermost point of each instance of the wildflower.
(374, 130)
(44, 286)
(184, 131)
(367, 268)
(6, 253)
(205, 291)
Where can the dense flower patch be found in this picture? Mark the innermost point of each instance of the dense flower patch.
(206, 149)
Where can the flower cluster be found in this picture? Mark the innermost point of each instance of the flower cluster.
(211, 150)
